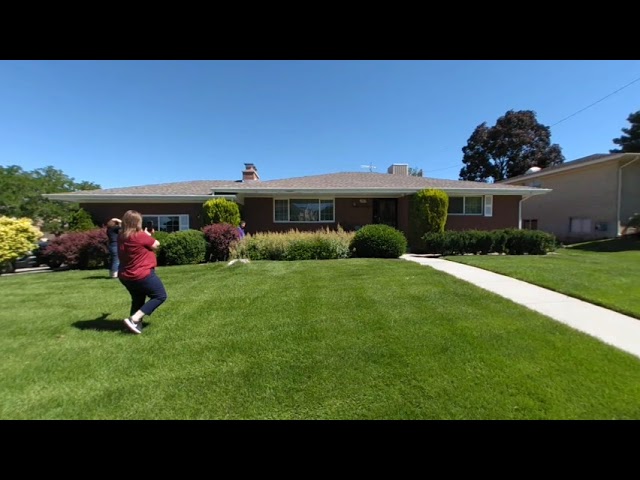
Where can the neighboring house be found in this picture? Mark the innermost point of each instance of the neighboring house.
(592, 197)
(350, 200)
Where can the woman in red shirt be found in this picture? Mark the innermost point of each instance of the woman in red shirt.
(137, 269)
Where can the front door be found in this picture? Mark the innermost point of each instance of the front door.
(385, 211)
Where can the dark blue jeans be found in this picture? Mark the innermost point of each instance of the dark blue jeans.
(150, 286)
(115, 261)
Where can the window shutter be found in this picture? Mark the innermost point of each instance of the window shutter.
(184, 222)
(488, 205)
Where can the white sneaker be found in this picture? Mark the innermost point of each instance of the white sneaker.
(133, 326)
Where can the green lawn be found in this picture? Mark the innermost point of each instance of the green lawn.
(343, 339)
(606, 273)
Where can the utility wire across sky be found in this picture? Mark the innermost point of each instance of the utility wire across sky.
(565, 118)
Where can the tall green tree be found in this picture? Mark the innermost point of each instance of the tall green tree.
(21, 195)
(630, 141)
(514, 144)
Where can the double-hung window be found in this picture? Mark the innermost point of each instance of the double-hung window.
(471, 205)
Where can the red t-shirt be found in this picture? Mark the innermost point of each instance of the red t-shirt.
(136, 256)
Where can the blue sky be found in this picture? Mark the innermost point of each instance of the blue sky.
(124, 123)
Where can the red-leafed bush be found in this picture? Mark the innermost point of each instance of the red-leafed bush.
(219, 237)
(78, 250)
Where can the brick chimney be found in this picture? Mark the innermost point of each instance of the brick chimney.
(399, 169)
(250, 172)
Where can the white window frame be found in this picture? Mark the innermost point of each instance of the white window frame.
(464, 205)
(310, 199)
(183, 220)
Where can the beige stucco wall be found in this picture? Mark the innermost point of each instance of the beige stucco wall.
(630, 194)
(590, 192)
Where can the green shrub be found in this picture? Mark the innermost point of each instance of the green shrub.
(184, 248)
(81, 221)
(478, 242)
(316, 249)
(162, 238)
(500, 238)
(428, 214)
(221, 210)
(529, 242)
(379, 241)
(435, 243)
(510, 241)
(294, 245)
(301, 250)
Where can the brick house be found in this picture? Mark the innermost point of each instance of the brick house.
(350, 200)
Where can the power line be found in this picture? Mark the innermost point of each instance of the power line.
(566, 118)
(594, 103)
(444, 168)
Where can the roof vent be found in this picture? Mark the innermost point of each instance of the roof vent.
(399, 169)
(532, 170)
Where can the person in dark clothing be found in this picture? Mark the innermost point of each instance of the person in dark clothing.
(241, 231)
(113, 230)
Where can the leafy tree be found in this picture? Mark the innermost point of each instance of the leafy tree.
(415, 172)
(81, 221)
(630, 142)
(17, 237)
(514, 144)
(21, 195)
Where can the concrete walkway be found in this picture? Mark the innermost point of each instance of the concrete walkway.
(611, 327)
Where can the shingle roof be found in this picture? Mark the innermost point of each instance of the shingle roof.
(332, 181)
(569, 165)
(197, 187)
(359, 180)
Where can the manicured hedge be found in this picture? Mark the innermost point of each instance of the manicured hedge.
(481, 242)
(378, 241)
(184, 248)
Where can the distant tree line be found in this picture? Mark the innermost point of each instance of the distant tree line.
(21, 196)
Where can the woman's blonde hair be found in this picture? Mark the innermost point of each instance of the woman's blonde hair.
(131, 223)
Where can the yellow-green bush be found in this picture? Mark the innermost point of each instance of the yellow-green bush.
(17, 237)
(294, 245)
(221, 210)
